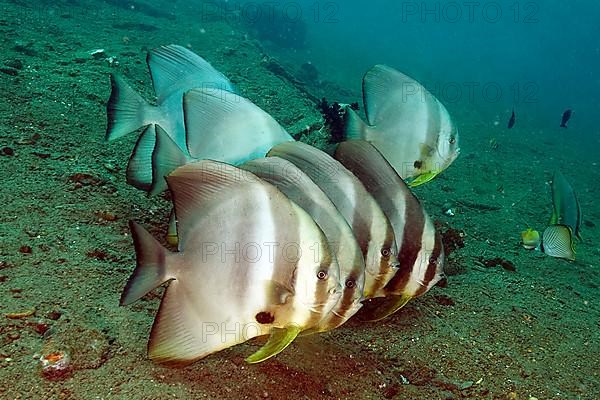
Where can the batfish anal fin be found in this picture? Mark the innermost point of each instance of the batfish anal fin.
(151, 270)
(389, 307)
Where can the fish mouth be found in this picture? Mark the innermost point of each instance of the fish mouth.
(450, 158)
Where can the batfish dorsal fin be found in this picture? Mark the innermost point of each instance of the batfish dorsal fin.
(315, 163)
(283, 174)
(380, 173)
(376, 92)
(173, 66)
(201, 186)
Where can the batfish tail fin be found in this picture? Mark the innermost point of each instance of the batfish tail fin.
(139, 168)
(151, 268)
(125, 109)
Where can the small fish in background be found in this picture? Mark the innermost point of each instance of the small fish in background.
(512, 120)
(406, 123)
(557, 241)
(565, 118)
(565, 222)
(530, 239)
(214, 302)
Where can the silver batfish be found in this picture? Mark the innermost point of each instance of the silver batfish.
(250, 263)
(299, 188)
(406, 123)
(420, 248)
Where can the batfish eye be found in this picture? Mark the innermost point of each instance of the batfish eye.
(452, 140)
(350, 283)
(386, 252)
(322, 274)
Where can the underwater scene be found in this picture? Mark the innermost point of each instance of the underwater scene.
(223, 199)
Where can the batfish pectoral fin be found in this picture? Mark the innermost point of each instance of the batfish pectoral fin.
(390, 306)
(423, 178)
(280, 339)
(277, 293)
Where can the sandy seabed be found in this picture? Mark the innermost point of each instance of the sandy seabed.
(494, 332)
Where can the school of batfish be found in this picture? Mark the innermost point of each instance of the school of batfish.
(276, 237)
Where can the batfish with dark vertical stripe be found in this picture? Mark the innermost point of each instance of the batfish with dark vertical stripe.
(369, 224)
(299, 188)
(250, 263)
(420, 250)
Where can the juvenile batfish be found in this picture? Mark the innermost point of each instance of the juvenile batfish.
(420, 249)
(406, 123)
(299, 188)
(250, 263)
(371, 227)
